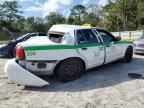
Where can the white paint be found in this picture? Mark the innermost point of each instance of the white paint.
(94, 56)
(67, 28)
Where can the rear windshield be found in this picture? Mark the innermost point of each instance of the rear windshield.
(56, 36)
(42, 34)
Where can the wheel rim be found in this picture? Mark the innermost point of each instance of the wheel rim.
(71, 69)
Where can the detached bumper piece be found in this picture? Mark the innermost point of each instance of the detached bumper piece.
(19, 75)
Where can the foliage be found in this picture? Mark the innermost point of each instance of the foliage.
(124, 15)
(76, 14)
(94, 14)
(117, 15)
(9, 11)
(54, 18)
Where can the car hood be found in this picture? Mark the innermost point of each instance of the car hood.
(37, 41)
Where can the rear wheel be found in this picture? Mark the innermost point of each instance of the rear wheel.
(69, 69)
(128, 55)
(11, 53)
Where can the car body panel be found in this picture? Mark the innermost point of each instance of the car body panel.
(94, 54)
(116, 50)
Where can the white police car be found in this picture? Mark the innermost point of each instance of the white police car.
(67, 52)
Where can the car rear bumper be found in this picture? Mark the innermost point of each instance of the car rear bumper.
(19, 75)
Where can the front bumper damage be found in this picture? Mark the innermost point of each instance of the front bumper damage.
(21, 76)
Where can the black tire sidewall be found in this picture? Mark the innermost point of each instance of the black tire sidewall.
(128, 55)
(61, 70)
(11, 53)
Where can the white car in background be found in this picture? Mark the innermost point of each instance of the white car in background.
(67, 52)
(139, 46)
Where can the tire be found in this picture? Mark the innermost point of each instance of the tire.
(69, 70)
(11, 53)
(128, 55)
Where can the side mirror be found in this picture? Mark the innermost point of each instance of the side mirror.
(118, 38)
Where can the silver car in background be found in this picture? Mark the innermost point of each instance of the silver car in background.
(139, 45)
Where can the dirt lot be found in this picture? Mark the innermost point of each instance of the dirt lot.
(104, 87)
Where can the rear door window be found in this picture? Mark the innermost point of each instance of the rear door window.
(89, 36)
(86, 36)
(80, 38)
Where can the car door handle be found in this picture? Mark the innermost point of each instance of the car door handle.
(84, 48)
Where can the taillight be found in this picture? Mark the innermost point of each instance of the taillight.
(20, 52)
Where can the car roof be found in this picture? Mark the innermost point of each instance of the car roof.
(67, 28)
(37, 32)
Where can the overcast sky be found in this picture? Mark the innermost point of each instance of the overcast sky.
(41, 8)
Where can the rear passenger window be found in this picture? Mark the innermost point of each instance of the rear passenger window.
(89, 36)
(86, 36)
(80, 37)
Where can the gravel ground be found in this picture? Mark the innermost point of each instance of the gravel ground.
(103, 87)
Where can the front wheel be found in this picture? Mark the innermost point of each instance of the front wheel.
(69, 69)
(128, 55)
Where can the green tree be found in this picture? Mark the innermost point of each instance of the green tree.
(111, 16)
(9, 11)
(77, 12)
(90, 18)
(140, 12)
(40, 25)
(29, 24)
(70, 19)
(124, 14)
(93, 15)
(54, 18)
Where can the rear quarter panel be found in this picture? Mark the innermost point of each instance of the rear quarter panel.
(45, 53)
